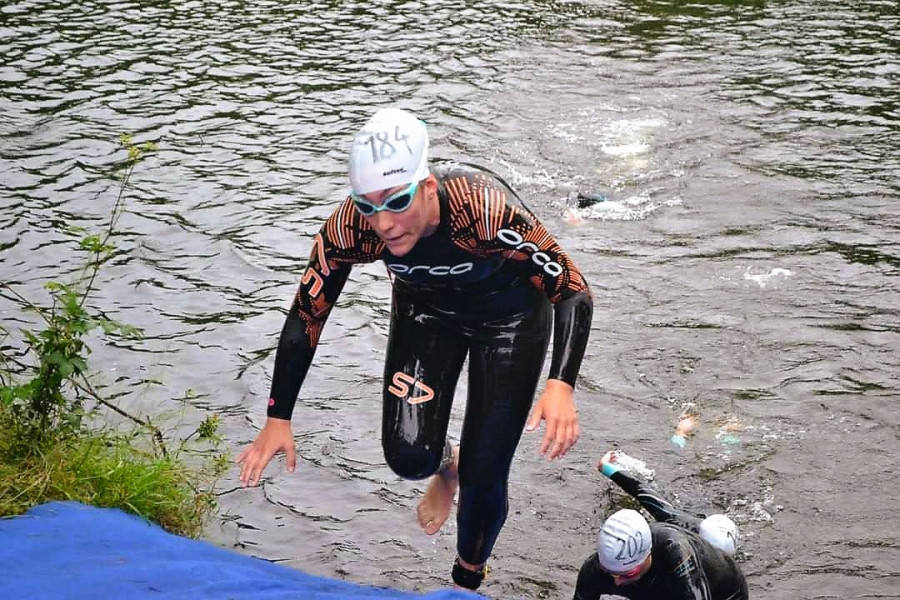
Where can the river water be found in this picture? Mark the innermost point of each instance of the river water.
(745, 264)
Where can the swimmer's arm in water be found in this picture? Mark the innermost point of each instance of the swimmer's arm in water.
(648, 497)
(320, 286)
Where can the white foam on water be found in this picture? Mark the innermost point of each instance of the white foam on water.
(763, 279)
(624, 150)
(622, 138)
(627, 137)
(632, 208)
(537, 178)
(635, 465)
(755, 510)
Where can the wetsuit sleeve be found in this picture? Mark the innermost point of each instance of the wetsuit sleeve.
(687, 580)
(496, 221)
(552, 271)
(653, 502)
(593, 581)
(571, 329)
(343, 241)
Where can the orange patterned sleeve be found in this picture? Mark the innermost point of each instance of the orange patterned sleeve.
(344, 240)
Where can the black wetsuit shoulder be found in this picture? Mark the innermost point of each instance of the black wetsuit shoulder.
(683, 567)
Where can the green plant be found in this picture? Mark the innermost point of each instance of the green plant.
(49, 450)
(59, 348)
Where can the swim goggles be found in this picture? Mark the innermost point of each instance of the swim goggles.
(397, 202)
(628, 574)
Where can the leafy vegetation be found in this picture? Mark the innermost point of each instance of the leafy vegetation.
(54, 441)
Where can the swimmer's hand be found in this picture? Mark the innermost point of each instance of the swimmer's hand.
(275, 436)
(607, 459)
(556, 407)
(607, 464)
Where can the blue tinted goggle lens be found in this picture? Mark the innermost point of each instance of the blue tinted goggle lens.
(396, 203)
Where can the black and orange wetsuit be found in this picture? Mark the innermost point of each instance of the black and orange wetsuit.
(684, 566)
(481, 285)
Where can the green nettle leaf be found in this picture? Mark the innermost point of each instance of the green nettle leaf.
(131, 331)
(209, 427)
(91, 243)
(66, 368)
(73, 306)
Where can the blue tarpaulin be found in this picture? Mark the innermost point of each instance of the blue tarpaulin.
(72, 551)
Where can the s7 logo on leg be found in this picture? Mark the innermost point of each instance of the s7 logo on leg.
(400, 387)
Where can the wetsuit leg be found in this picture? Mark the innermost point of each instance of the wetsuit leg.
(505, 361)
(424, 358)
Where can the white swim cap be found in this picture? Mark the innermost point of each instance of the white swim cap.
(389, 151)
(624, 541)
(721, 532)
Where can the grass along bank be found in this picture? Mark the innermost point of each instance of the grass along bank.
(107, 469)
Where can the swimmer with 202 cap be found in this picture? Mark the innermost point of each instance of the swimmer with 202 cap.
(679, 557)
(475, 274)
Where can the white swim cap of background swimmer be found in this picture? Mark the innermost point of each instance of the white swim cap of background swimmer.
(624, 541)
(389, 151)
(721, 532)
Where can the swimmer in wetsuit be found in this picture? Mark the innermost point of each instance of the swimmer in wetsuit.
(717, 529)
(680, 557)
(474, 274)
(642, 561)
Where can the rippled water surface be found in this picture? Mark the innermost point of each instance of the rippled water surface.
(746, 262)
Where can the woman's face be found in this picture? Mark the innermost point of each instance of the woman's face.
(400, 231)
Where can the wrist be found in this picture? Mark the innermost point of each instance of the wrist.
(608, 469)
(559, 384)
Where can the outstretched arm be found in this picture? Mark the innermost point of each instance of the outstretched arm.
(343, 241)
(648, 497)
(556, 405)
(296, 348)
(492, 219)
(524, 239)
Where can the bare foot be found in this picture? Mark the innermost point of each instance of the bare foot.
(434, 508)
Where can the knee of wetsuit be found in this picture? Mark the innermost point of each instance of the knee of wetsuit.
(411, 461)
